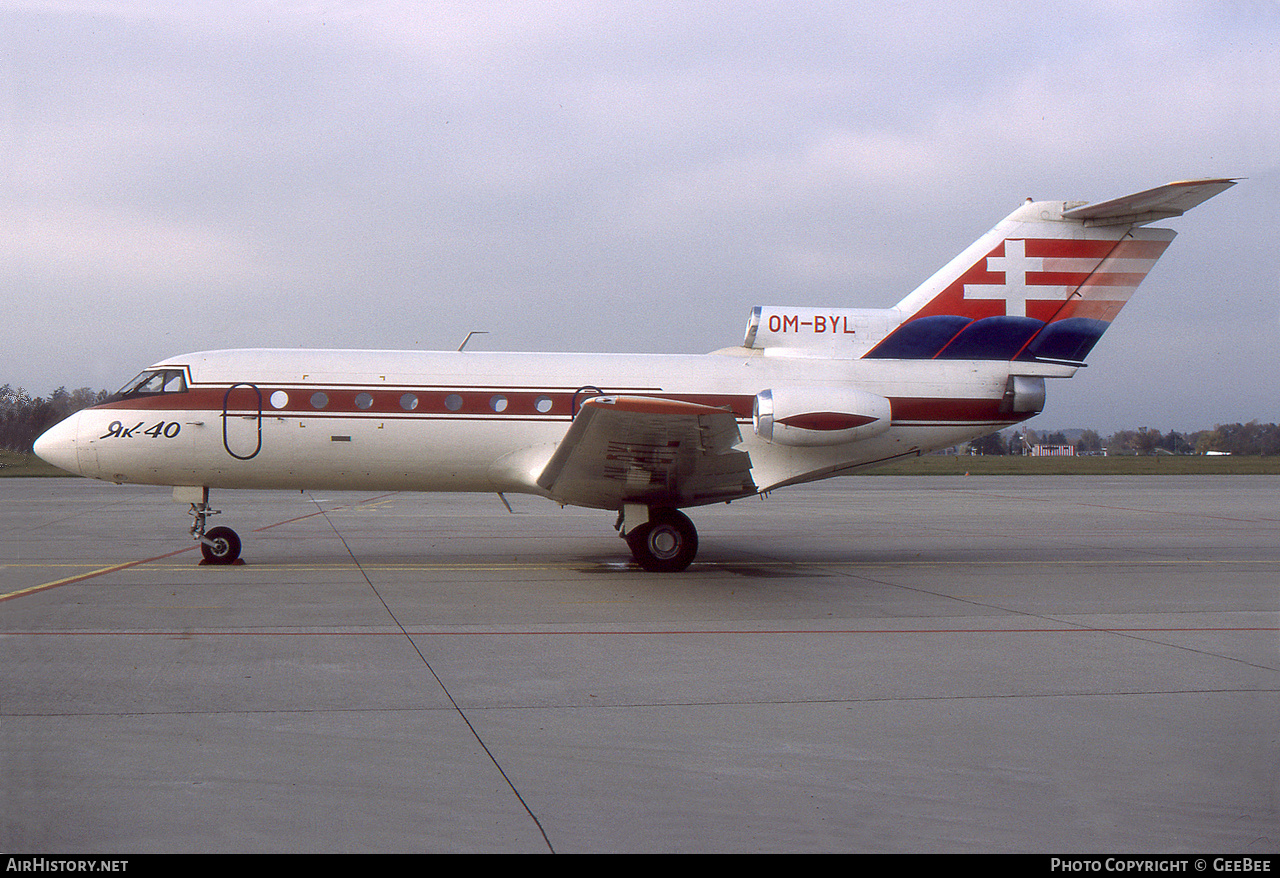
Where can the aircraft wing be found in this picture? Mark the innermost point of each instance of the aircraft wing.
(1163, 202)
(660, 452)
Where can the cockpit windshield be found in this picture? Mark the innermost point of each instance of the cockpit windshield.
(154, 381)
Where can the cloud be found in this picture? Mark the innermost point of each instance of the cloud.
(77, 246)
(567, 174)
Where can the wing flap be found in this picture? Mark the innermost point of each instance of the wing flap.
(660, 452)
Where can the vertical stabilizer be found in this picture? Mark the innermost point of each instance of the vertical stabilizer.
(1045, 283)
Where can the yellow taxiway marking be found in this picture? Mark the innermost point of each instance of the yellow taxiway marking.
(508, 566)
(343, 564)
(79, 577)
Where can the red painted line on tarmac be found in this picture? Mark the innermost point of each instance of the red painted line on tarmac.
(679, 633)
(323, 511)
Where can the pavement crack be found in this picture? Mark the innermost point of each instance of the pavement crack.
(443, 688)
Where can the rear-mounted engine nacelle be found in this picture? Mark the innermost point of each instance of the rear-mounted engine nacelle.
(809, 416)
(1023, 394)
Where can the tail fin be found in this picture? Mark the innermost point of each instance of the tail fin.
(1045, 283)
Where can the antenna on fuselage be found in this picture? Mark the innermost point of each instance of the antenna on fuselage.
(468, 338)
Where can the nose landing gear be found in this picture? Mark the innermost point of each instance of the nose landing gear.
(219, 545)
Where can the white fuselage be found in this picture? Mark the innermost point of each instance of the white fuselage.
(471, 421)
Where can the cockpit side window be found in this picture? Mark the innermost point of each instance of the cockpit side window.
(155, 381)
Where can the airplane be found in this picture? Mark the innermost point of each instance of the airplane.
(811, 393)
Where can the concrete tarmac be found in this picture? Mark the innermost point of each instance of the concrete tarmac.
(876, 664)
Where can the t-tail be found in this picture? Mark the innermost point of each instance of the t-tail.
(1042, 286)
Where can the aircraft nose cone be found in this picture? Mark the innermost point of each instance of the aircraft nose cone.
(57, 445)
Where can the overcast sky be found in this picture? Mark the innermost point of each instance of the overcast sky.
(618, 176)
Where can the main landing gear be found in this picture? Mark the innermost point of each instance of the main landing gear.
(219, 545)
(661, 540)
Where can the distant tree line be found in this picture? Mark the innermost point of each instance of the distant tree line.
(24, 417)
(1252, 438)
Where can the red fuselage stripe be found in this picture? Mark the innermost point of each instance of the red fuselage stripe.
(494, 403)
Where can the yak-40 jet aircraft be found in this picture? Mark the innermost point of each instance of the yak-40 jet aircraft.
(811, 393)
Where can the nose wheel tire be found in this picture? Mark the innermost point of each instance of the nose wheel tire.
(220, 545)
(666, 543)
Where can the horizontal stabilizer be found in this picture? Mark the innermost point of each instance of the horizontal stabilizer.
(1166, 201)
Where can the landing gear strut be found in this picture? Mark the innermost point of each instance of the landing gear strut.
(219, 545)
(665, 543)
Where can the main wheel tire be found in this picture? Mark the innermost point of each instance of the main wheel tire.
(225, 548)
(666, 543)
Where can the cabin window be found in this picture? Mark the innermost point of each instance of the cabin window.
(364, 401)
(543, 404)
(279, 399)
(498, 403)
(453, 402)
(319, 399)
(409, 402)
